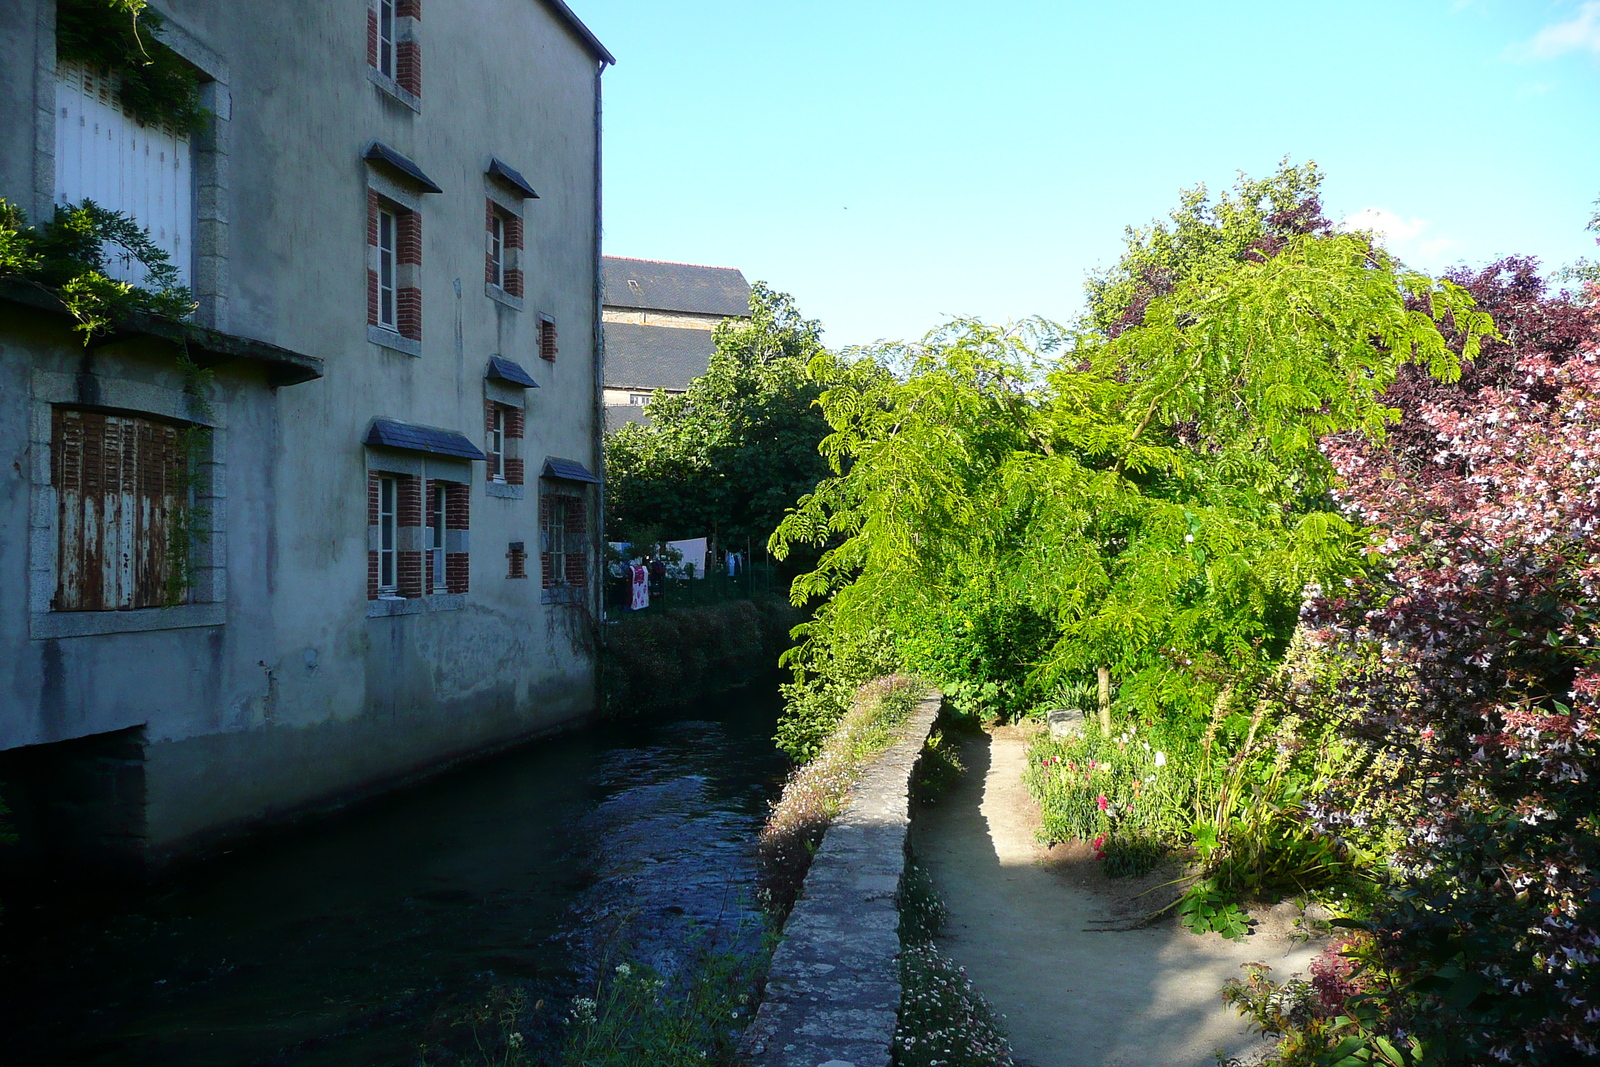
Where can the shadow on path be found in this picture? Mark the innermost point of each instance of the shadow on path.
(1072, 998)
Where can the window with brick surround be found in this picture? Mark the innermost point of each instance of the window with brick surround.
(517, 560)
(563, 531)
(547, 338)
(394, 51)
(394, 542)
(394, 267)
(502, 266)
(121, 485)
(503, 428)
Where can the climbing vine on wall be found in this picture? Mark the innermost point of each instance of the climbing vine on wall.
(156, 86)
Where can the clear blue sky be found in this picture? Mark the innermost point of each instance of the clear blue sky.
(894, 163)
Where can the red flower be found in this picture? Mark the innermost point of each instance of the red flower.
(1102, 802)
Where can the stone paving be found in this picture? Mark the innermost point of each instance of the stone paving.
(833, 992)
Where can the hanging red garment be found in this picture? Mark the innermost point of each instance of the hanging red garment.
(641, 588)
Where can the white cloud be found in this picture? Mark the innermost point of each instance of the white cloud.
(1580, 33)
(1386, 224)
(1400, 235)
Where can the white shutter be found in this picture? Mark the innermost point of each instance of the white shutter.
(103, 155)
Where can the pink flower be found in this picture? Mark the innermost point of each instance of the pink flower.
(1102, 802)
(1072, 766)
(1100, 842)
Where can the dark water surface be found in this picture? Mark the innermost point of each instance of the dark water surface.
(357, 938)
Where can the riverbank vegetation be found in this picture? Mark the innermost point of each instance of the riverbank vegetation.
(1312, 538)
(660, 658)
(817, 790)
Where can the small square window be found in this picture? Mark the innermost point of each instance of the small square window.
(638, 400)
(547, 338)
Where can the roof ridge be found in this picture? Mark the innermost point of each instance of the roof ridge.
(671, 263)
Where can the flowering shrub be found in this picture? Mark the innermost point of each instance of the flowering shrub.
(1135, 785)
(1465, 668)
(944, 1021)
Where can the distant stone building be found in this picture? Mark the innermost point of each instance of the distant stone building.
(658, 321)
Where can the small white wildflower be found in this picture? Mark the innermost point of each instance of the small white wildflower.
(624, 970)
(1161, 759)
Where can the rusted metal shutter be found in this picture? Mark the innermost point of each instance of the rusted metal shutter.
(120, 484)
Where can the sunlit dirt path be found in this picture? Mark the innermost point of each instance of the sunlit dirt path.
(1143, 998)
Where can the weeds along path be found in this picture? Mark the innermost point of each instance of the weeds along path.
(1142, 998)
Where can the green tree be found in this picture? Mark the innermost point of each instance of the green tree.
(1199, 237)
(1150, 498)
(727, 457)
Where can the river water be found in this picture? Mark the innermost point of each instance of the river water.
(358, 938)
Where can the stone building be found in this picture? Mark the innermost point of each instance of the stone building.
(658, 323)
(356, 538)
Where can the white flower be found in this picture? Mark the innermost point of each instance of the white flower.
(1189, 538)
(624, 970)
(1161, 759)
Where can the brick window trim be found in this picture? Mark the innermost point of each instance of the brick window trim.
(405, 82)
(513, 424)
(413, 563)
(575, 526)
(511, 249)
(408, 266)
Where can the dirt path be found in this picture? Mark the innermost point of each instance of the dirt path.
(1143, 998)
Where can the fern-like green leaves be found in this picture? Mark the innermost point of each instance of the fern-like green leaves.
(1159, 495)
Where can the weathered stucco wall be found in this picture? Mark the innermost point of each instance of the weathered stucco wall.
(833, 991)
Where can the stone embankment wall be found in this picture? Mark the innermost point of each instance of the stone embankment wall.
(833, 993)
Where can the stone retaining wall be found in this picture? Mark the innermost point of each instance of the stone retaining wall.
(833, 992)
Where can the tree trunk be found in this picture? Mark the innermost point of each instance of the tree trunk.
(1105, 700)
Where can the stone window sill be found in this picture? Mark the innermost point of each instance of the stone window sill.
(46, 625)
(504, 491)
(388, 607)
(393, 341)
(500, 296)
(393, 89)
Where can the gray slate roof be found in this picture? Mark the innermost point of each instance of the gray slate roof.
(392, 433)
(567, 470)
(655, 357)
(656, 286)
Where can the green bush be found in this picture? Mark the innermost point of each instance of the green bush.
(662, 658)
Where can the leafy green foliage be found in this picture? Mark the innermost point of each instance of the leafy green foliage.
(157, 86)
(652, 659)
(1157, 499)
(67, 257)
(1208, 908)
(1201, 239)
(726, 457)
